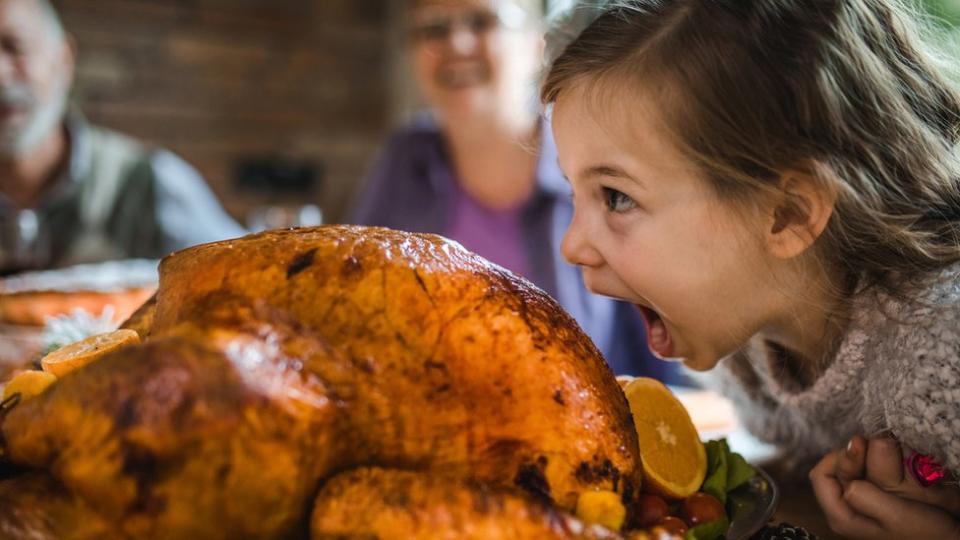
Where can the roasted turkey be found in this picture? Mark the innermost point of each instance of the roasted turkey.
(334, 382)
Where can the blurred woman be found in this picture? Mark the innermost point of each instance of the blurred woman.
(481, 168)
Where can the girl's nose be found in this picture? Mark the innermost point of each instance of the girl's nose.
(576, 246)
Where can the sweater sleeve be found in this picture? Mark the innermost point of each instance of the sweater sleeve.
(923, 408)
(742, 378)
(738, 380)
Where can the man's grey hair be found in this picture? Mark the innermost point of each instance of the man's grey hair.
(52, 18)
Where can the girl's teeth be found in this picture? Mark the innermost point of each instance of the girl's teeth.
(658, 332)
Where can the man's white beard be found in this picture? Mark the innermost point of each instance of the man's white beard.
(43, 120)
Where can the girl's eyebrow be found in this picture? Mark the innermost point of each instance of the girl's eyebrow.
(609, 171)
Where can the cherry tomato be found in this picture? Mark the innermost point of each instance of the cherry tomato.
(673, 525)
(701, 508)
(651, 509)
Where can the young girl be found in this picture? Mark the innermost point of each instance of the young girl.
(776, 185)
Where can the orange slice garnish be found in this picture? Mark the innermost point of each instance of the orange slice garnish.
(674, 459)
(76, 355)
(28, 384)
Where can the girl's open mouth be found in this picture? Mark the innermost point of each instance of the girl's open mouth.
(658, 337)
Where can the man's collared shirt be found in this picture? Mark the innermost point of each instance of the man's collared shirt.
(116, 199)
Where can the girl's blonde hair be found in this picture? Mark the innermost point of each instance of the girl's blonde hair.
(838, 88)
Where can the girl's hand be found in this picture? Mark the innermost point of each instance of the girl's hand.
(852, 461)
(897, 517)
(859, 508)
(886, 469)
(880, 462)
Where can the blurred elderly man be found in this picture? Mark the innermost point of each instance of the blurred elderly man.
(71, 192)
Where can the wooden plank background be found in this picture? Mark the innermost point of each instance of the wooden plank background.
(221, 80)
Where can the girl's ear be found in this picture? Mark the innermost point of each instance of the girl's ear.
(799, 214)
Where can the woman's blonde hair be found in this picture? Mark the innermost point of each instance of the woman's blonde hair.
(840, 88)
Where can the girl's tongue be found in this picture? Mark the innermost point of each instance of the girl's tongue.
(658, 337)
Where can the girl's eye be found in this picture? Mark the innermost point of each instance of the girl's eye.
(616, 201)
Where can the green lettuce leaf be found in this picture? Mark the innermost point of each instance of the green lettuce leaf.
(708, 531)
(739, 472)
(716, 481)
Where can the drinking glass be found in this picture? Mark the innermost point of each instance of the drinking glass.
(24, 242)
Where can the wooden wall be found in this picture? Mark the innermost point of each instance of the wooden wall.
(222, 80)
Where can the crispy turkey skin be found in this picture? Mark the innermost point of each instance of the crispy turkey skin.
(278, 361)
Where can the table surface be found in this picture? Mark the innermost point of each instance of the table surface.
(798, 506)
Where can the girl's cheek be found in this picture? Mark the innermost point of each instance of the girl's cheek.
(621, 226)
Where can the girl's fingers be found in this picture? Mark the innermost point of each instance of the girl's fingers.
(941, 496)
(851, 461)
(899, 517)
(885, 463)
(885, 468)
(944, 497)
(840, 515)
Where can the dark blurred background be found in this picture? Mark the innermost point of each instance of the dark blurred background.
(297, 89)
(223, 83)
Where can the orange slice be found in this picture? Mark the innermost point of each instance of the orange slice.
(76, 355)
(674, 459)
(28, 384)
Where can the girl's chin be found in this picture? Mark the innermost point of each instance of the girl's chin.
(699, 363)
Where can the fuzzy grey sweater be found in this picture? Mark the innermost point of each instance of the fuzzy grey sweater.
(896, 370)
